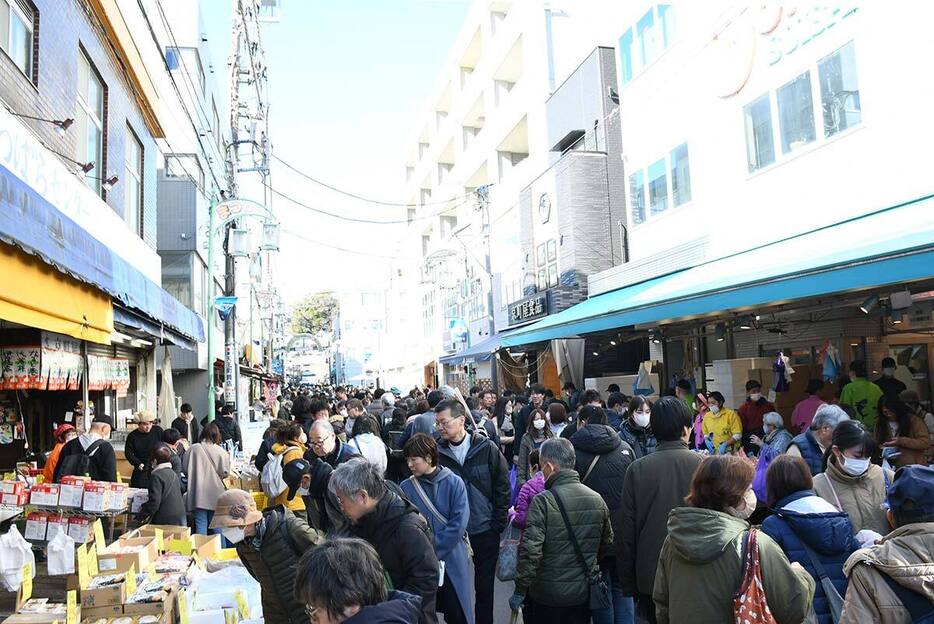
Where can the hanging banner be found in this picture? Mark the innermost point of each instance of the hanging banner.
(224, 306)
(19, 367)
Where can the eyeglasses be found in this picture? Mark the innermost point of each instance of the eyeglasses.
(321, 441)
(444, 424)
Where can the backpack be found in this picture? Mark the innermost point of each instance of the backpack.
(271, 479)
(79, 465)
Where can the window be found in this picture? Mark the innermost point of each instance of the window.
(680, 175)
(218, 134)
(625, 56)
(410, 215)
(16, 34)
(187, 60)
(645, 28)
(637, 197)
(178, 287)
(796, 113)
(641, 44)
(666, 25)
(183, 166)
(448, 225)
(89, 120)
(839, 90)
(760, 148)
(658, 187)
(133, 183)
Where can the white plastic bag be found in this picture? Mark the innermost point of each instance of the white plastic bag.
(61, 554)
(15, 551)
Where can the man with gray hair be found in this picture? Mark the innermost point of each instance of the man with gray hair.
(393, 526)
(810, 445)
(324, 444)
(567, 533)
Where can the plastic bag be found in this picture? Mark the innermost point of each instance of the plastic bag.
(15, 552)
(508, 559)
(218, 590)
(61, 554)
(762, 465)
(513, 486)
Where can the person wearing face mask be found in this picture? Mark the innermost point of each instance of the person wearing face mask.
(776, 436)
(269, 545)
(751, 413)
(861, 394)
(538, 431)
(721, 424)
(503, 412)
(269, 438)
(701, 562)
(889, 385)
(901, 433)
(291, 444)
(851, 483)
(636, 428)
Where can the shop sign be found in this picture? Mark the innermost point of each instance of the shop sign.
(230, 365)
(528, 309)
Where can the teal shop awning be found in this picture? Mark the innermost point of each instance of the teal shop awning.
(480, 352)
(889, 246)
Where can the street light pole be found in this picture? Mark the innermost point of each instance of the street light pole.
(212, 210)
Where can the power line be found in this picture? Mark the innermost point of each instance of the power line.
(368, 200)
(335, 247)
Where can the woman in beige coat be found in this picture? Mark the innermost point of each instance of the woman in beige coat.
(206, 464)
(851, 482)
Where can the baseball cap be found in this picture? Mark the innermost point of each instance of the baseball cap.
(912, 491)
(61, 430)
(105, 419)
(293, 472)
(235, 508)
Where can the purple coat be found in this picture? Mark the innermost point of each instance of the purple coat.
(528, 491)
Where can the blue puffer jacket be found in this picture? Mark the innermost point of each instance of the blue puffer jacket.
(829, 534)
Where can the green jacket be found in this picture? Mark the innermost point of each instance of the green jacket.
(548, 568)
(700, 568)
(863, 396)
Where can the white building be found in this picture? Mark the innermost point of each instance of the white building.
(360, 355)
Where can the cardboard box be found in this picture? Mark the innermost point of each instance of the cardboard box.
(15, 500)
(207, 546)
(45, 494)
(163, 610)
(116, 557)
(118, 496)
(96, 496)
(79, 529)
(214, 616)
(72, 491)
(57, 522)
(168, 531)
(93, 613)
(110, 596)
(36, 526)
(137, 497)
(12, 487)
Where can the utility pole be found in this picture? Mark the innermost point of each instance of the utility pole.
(483, 205)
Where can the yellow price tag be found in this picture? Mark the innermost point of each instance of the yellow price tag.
(9, 476)
(182, 607)
(152, 572)
(198, 561)
(93, 570)
(83, 575)
(119, 477)
(99, 534)
(131, 581)
(25, 590)
(71, 608)
(160, 544)
(242, 606)
(180, 546)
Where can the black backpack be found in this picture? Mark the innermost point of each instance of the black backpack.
(79, 465)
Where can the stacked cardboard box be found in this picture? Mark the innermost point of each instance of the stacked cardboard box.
(45, 495)
(123, 554)
(72, 491)
(13, 493)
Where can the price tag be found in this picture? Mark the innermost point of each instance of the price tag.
(198, 561)
(160, 544)
(84, 575)
(242, 606)
(93, 569)
(99, 534)
(152, 572)
(180, 546)
(25, 590)
(131, 581)
(9, 476)
(182, 607)
(71, 608)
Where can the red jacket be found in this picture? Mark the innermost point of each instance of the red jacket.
(751, 414)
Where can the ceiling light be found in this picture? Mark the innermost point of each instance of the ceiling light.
(613, 342)
(869, 304)
(720, 332)
(897, 317)
(596, 354)
(747, 322)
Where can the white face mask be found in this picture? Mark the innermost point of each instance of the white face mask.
(234, 535)
(344, 413)
(302, 492)
(641, 418)
(888, 372)
(755, 396)
(539, 424)
(714, 409)
(855, 467)
(749, 506)
(766, 428)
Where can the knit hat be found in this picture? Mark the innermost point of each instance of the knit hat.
(144, 416)
(235, 508)
(61, 430)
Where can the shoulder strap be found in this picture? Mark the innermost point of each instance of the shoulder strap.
(468, 480)
(815, 560)
(92, 447)
(567, 525)
(422, 494)
(917, 605)
(596, 458)
(834, 491)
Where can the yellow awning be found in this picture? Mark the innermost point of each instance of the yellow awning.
(35, 294)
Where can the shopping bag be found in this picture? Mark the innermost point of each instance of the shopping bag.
(749, 602)
(762, 465)
(508, 559)
(513, 486)
(15, 551)
(61, 551)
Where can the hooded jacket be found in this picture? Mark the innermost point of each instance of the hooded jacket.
(905, 556)
(609, 471)
(398, 608)
(641, 439)
(290, 452)
(138, 449)
(271, 557)
(805, 518)
(860, 497)
(165, 504)
(549, 569)
(230, 430)
(486, 475)
(403, 540)
(700, 568)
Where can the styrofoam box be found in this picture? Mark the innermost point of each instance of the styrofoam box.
(37, 524)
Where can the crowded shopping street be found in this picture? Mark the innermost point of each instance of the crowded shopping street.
(466, 312)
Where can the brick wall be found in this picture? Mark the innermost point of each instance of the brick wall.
(65, 27)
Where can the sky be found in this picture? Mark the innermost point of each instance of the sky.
(347, 82)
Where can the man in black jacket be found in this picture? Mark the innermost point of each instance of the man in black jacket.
(230, 430)
(187, 425)
(486, 474)
(393, 526)
(102, 461)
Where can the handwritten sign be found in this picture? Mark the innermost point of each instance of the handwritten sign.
(25, 590)
(99, 534)
(84, 575)
(93, 569)
(180, 546)
(242, 605)
(71, 607)
(182, 607)
(160, 544)
(131, 580)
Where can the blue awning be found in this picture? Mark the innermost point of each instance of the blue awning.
(890, 246)
(480, 352)
(161, 333)
(31, 222)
